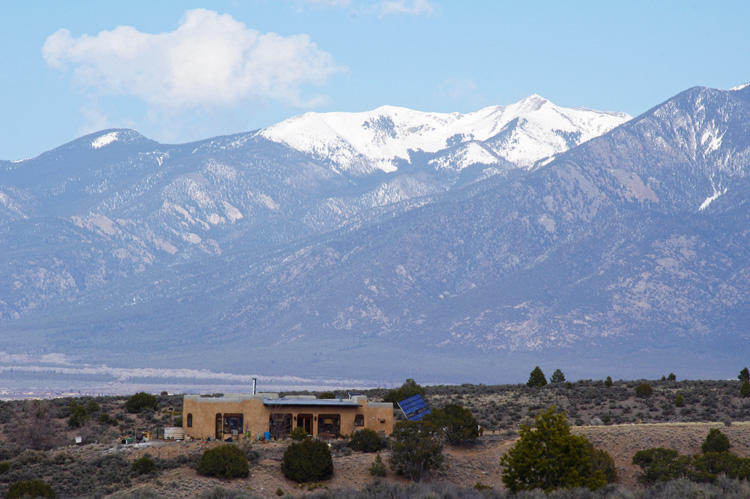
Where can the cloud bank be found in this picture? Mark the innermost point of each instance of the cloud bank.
(408, 7)
(210, 61)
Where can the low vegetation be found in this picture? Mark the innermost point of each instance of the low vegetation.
(416, 451)
(549, 457)
(225, 461)
(307, 461)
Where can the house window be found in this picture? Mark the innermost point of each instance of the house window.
(233, 423)
(280, 424)
(329, 424)
(359, 420)
(190, 420)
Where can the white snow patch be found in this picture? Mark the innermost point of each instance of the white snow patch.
(711, 199)
(739, 87)
(192, 238)
(267, 201)
(104, 140)
(469, 154)
(711, 139)
(233, 214)
(165, 246)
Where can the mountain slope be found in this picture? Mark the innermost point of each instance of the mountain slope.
(608, 257)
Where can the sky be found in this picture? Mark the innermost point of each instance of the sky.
(178, 71)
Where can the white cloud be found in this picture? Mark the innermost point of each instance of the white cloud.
(410, 7)
(456, 88)
(210, 61)
(328, 3)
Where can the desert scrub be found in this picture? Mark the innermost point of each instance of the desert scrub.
(225, 461)
(307, 461)
(366, 440)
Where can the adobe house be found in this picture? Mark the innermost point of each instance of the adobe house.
(263, 414)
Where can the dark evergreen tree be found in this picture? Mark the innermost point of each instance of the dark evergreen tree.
(225, 461)
(644, 390)
(548, 457)
(536, 378)
(608, 382)
(366, 440)
(308, 461)
(745, 389)
(715, 441)
(679, 401)
(408, 389)
(455, 423)
(557, 377)
(415, 450)
(140, 401)
(744, 375)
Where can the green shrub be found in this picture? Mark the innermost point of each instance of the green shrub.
(378, 467)
(298, 434)
(225, 461)
(415, 449)
(326, 395)
(78, 415)
(549, 457)
(30, 488)
(455, 423)
(679, 401)
(105, 418)
(715, 441)
(144, 465)
(4, 467)
(408, 389)
(602, 461)
(366, 440)
(659, 464)
(608, 382)
(307, 461)
(644, 390)
(140, 401)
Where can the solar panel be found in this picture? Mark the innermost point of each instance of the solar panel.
(415, 408)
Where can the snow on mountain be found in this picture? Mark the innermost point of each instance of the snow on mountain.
(104, 140)
(522, 133)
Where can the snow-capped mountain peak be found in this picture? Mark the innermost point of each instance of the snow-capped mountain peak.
(522, 133)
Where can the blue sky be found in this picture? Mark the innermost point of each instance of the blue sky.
(181, 70)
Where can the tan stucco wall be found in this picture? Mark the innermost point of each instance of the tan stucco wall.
(377, 416)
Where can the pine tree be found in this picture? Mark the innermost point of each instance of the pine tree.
(548, 457)
(745, 389)
(744, 375)
(608, 382)
(536, 378)
(557, 377)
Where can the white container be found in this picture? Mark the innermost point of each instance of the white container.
(174, 433)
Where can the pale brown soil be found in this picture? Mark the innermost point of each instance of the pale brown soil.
(464, 466)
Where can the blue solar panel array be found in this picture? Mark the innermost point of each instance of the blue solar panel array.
(415, 408)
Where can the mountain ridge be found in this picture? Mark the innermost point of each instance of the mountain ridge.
(608, 247)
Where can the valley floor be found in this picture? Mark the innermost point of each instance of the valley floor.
(464, 466)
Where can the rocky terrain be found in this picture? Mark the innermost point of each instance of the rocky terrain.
(628, 250)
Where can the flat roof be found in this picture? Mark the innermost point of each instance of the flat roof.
(309, 402)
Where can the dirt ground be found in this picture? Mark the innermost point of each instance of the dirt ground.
(463, 466)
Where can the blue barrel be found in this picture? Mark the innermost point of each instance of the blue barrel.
(267, 436)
